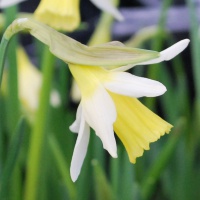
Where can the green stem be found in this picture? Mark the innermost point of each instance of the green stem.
(37, 137)
(12, 101)
(3, 51)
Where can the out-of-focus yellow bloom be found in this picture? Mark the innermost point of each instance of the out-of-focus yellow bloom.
(62, 15)
(29, 84)
(65, 14)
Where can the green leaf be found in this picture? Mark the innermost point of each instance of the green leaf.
(62, 167)
(162, 160)
(13, 153)
(103, 188)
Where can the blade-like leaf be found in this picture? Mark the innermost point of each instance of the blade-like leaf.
(12, 157)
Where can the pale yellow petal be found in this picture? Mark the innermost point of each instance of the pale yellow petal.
(136, 125)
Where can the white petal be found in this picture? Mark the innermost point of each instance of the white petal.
(80, 150)
(100, 113)
(7, 3)
(106, 5)
(169, 53)
(165, 55)
(127, 84)
(76, 124)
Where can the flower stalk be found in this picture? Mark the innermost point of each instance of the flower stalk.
(38, 133)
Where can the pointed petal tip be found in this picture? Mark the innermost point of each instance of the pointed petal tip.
(162, 89)
(107, 6)
(183, 44)
(73, 128)
(113, 154)
(112, 150)
(74, 176)
(119, 17)
(158, 90)
(174, 50)
(186, 41)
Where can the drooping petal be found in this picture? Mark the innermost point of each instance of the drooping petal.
(76, 124)
(127, 84)
(7, 3)
(80, 149)
(136, 125)
(107, 6)
(99, 112)
(165, 55)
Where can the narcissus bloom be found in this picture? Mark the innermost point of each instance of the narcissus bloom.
(61, 15)
(7, 3)
(29, 84)
(109, 104)
(108, 101)
(65, 14)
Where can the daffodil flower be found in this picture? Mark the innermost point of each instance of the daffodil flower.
(108, 93)
(65, 14)
(7, 3)
(109, 104)
(61, 15)
(29, 84)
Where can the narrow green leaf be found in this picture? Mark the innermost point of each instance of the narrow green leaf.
(161, 162)
(103, 189)
(195, 44)
(3, 51)
(63, 167)
(115, 166)
(98, 151)
(13, 154)
(12, 87)
(127, 178)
